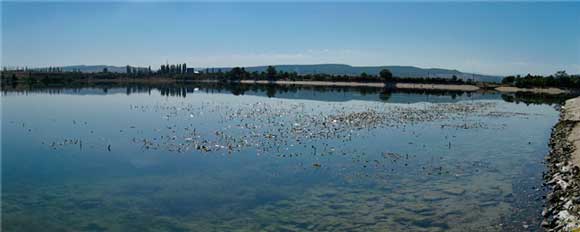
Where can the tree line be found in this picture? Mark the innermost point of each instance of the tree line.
(174, 69)
(137, 70)
(559, 80)
(271, 74)
(181, 72)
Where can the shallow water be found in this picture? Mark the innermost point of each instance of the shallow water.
(172, 159)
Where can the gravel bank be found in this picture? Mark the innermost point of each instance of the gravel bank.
(506, 89)
(374, 84)
(562, 212)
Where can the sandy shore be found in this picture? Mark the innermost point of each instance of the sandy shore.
(562, 212)
(377, 85)
(507, 89)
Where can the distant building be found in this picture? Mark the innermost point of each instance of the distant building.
(190, 70)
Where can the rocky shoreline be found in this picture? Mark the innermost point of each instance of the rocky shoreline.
(562, 211)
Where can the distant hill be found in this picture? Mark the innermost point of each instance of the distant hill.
(95, 68)
(399, 71)
(98, 68)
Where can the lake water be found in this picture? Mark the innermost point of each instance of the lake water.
(270, 159)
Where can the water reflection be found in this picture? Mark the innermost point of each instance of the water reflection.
(216, 157)
(323, 93)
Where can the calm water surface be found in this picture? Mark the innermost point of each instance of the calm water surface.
(304, 160)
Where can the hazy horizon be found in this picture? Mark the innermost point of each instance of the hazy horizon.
(483, 38)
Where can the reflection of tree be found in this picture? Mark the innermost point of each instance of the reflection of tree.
(385, 95)
(508, 98)
(271, 90)
(237, 90)
(536, 98)
(181, 89)
(367, 90)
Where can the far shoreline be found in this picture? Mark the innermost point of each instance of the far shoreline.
(400, 85)
(396, 85)
(389, 85)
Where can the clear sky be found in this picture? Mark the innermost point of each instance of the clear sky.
(488, 38)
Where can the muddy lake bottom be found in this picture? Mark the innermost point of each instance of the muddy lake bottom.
(204, 159)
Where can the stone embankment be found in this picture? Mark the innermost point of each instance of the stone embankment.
(562, 212)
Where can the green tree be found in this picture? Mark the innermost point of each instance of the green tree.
(508, 80)
(386, 75)
(237, 73)
(561, 74)
(271, 73)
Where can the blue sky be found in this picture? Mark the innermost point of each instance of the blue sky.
(489, 38)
